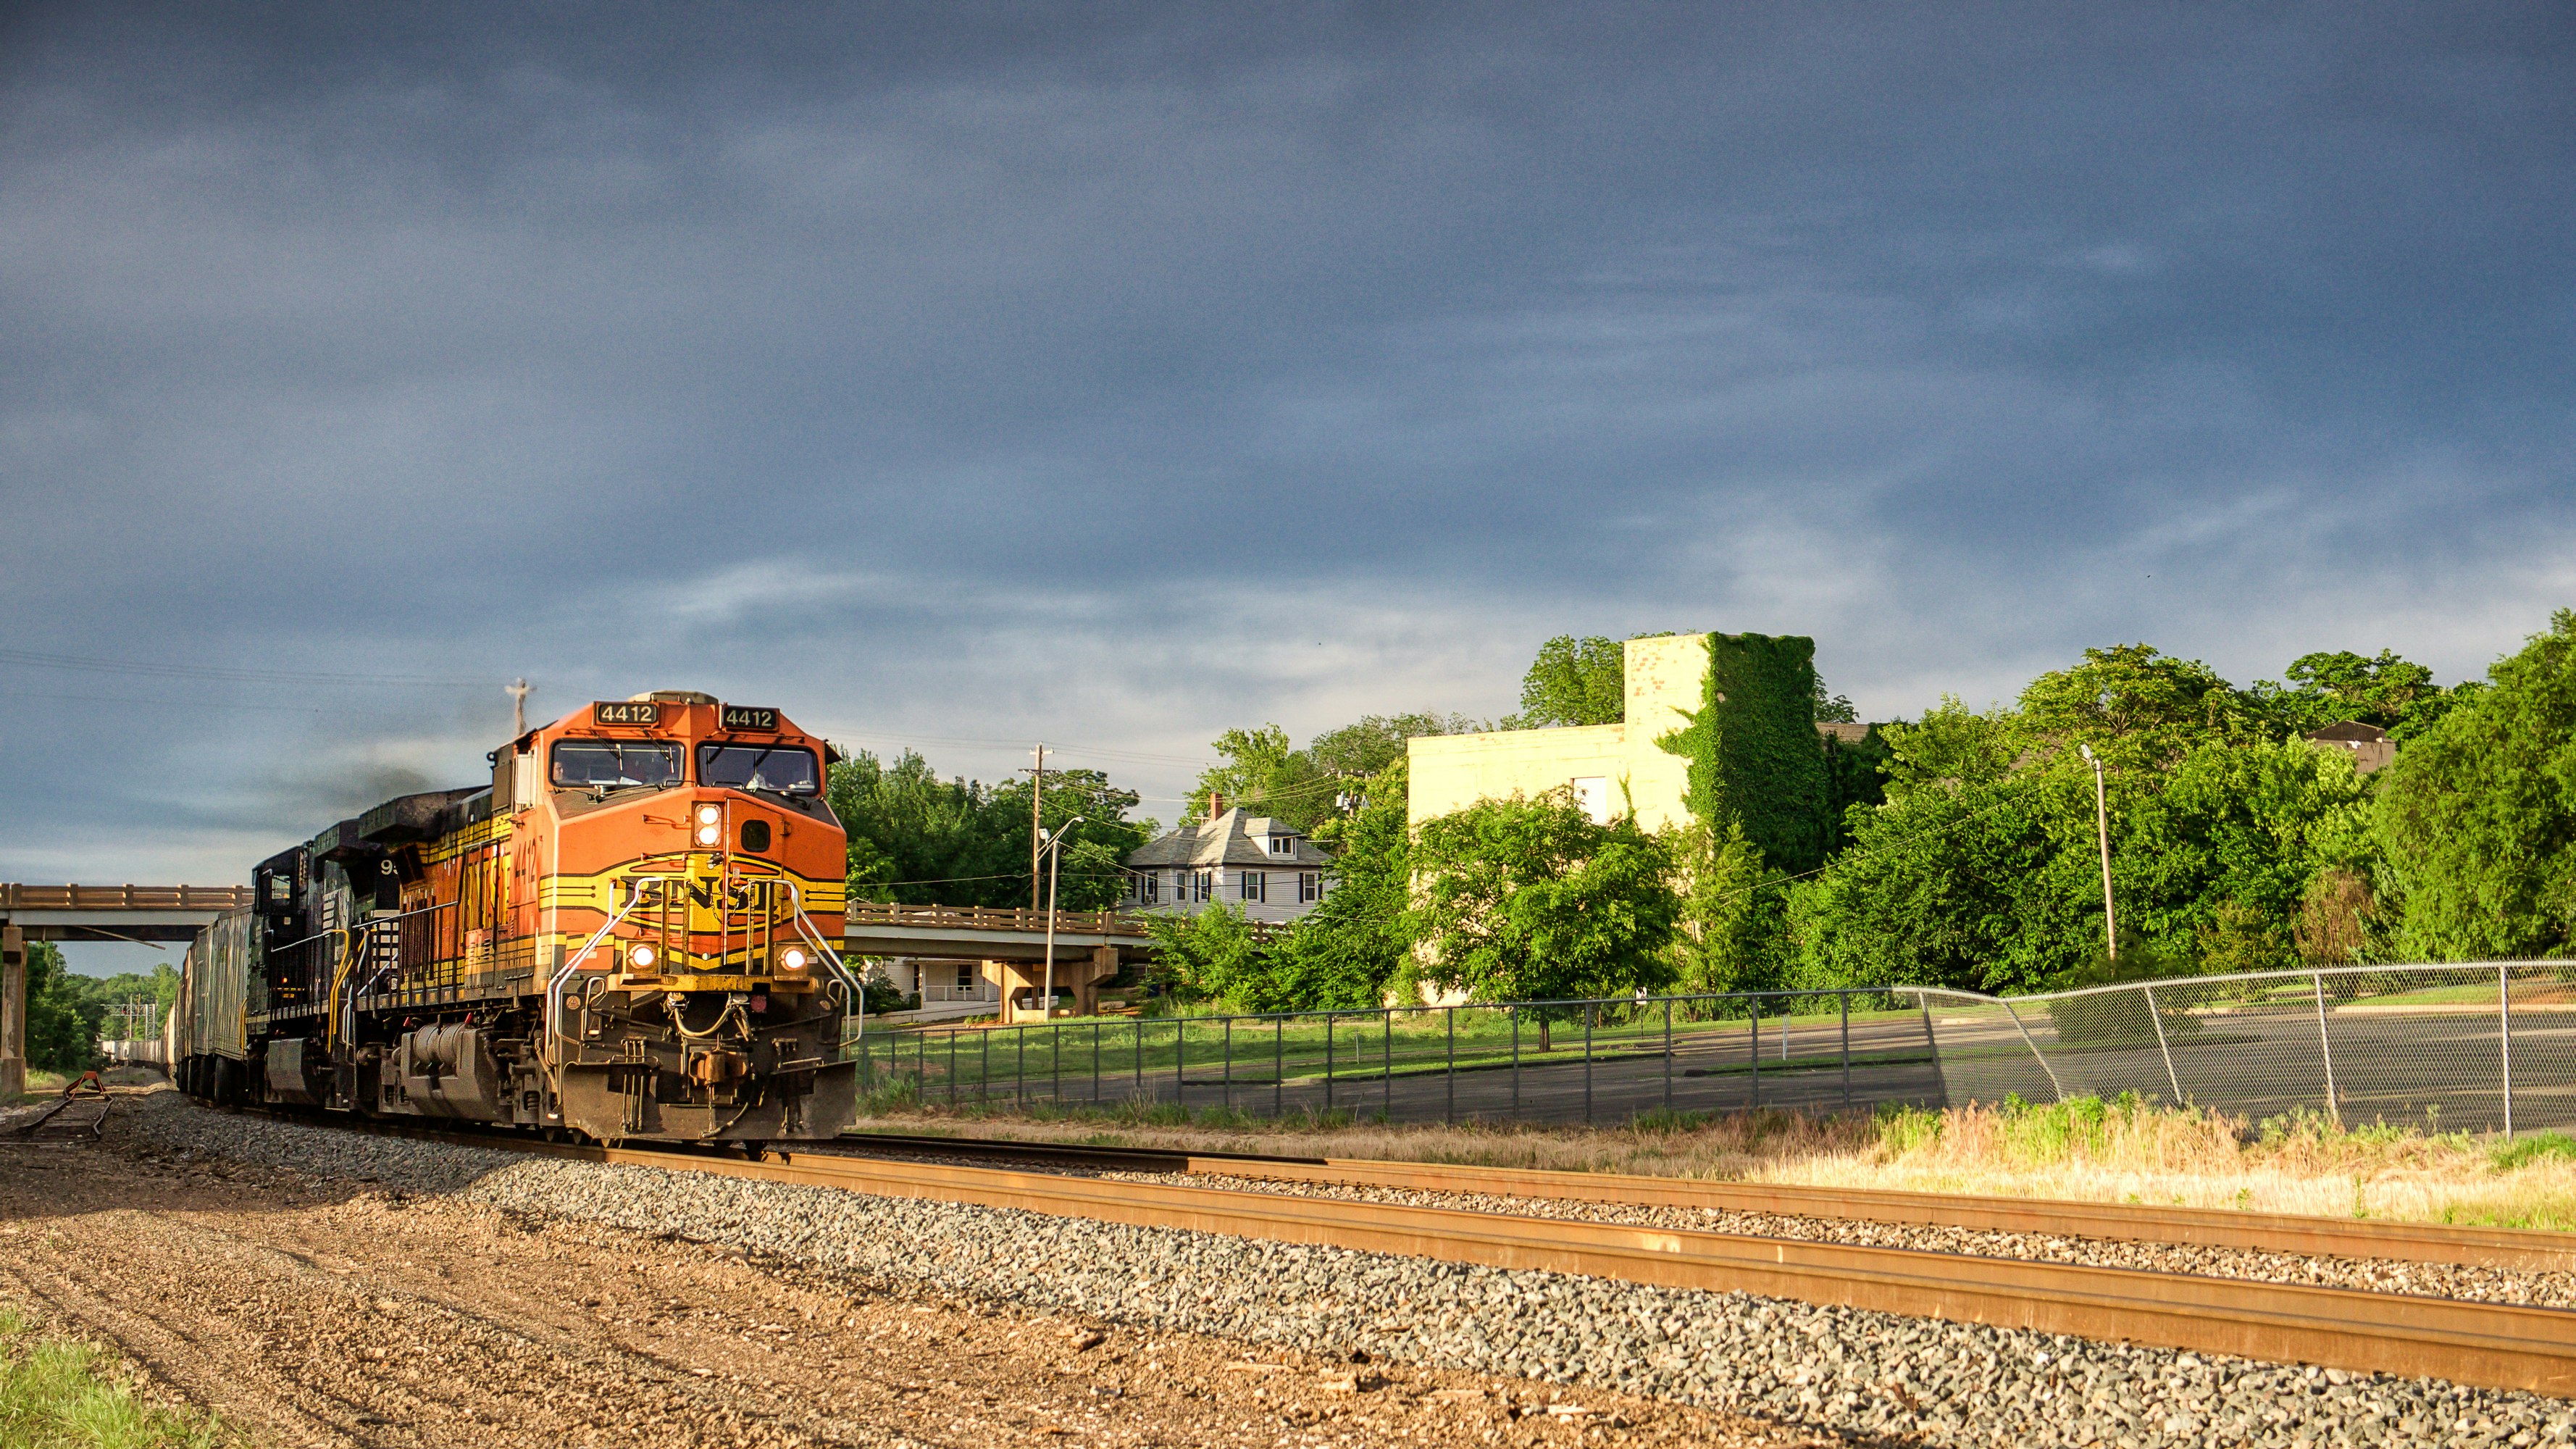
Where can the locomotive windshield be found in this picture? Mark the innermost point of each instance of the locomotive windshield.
(785, 769)
(611, 764)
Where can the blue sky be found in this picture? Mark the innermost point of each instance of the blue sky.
(957, 377)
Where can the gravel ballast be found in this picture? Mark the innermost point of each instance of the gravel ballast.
(1865, 1373)
(2375, 1275)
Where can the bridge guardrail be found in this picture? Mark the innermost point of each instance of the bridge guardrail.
(122, 898)
(989, 918)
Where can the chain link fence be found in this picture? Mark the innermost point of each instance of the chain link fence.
(2482, 1047)
(1608, 1060)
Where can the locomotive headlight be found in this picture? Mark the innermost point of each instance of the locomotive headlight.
(710, 824)
(710, 814)
(641, 958)
(793, 958)
(710, 834)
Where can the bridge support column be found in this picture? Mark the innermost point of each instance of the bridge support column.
(13, 1013)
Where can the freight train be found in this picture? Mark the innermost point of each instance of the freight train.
(628, 935)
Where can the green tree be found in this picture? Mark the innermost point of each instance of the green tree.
(1374, 743)
(921, 840)
(2477, 816)
(105, 995)
(1834, 708)
(1355, 945)
(1528, 899)
(1952, 884)
(1574, 682)
(2393, 693)
(62, 1019)
(1733, 918)
(2138, 708)
(1264, 775)
(1213, 955)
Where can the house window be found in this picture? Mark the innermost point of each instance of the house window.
(1252, 882)
(1283, 845)
(1310, 886)
(1202, 884)
(965, 976)
(1149, 886)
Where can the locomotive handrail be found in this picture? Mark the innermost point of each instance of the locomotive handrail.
(805, 926)
(563, 973)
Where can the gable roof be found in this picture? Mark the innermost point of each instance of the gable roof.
(1232, 838)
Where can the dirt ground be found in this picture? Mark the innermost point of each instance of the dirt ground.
(309, 1313)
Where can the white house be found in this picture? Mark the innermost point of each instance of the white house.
(1265, 867)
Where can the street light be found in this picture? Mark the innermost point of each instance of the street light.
(2102, 832)
(1054, 845)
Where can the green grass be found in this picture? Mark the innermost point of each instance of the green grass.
(57, 1393)
(2540, 1147)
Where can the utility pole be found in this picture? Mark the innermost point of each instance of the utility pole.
(1055, 862)
(1037, 826)
(2102, 832)
(518, 692)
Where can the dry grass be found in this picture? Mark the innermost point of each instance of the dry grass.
(2086, 1150)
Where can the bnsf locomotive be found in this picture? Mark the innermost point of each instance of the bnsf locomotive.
(627, 935)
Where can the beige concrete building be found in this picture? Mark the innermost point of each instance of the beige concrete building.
(1609, 766)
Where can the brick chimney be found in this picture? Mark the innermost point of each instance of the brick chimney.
(1216, 804)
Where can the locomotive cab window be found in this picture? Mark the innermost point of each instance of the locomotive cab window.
(782, 769)
(613, 764)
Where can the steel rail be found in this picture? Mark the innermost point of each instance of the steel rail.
(2045, 1217)
(2489, 1345)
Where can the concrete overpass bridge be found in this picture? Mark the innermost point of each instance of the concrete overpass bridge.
(1090, 946)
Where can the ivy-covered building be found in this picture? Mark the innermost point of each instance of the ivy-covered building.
(1717, 725)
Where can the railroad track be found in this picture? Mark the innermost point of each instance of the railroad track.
(2487, 1345)
(2482, 1344)
(2193, 1227)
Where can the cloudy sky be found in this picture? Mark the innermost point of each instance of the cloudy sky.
(957, 377)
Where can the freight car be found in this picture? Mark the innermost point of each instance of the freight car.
(627, 935)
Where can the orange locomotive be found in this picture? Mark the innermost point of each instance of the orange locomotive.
(629, 934)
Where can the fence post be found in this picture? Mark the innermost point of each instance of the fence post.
(1756, 1003)
(1228, 1091)
(1844, 998)
(1450, 1113)
(1138, 1094)
(1588, 1009)
(2056, 1090)
(1515, 1014)
(2325, 1046)
(1328, 1061)
(1386, 1092)
(952, 1066)
(1020, 1070)
(2504, 1037)
(2158, 1018)
(1095, 1061)
(984, 1077)
(1278, 1067)
(1055, 1060)
(1668, 1055)
(1180, 1063)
